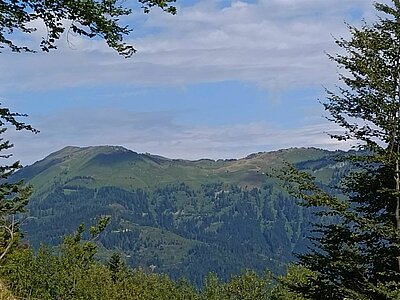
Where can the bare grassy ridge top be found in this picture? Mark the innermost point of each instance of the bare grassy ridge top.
(99, 166)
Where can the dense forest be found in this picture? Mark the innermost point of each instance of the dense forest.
(182, 229)
(148, 215)
(72, 272)
(237, 229)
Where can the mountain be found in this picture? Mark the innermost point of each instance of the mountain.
(185, 218)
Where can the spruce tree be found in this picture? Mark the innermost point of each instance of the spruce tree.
(356, 253)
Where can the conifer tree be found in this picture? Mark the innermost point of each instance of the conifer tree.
(357, 253)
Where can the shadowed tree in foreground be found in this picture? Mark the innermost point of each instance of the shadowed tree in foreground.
(358, 257)
(13, 195)
(90, 18)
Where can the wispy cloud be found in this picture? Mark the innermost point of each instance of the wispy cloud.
(160, 133)
(276, 43)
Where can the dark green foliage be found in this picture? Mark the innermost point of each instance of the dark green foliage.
(13, 194)
(186, 228)
(117, 266)
(180, 230)
(88, 18)
(358, 255)
(73, 273)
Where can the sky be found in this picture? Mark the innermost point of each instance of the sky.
(221, 79)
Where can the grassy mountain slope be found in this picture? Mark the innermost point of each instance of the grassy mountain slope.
(183, 217)
(94, 167)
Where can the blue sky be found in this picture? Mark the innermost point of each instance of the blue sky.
(221, 79)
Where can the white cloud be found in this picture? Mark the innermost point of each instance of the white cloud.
(160, 133)
(276, 43)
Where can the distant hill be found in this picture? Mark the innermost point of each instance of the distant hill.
(182, 217)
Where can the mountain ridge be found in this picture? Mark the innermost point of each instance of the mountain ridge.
(185, 217)
(71, 157)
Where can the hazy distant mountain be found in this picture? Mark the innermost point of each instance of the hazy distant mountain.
(186, 218)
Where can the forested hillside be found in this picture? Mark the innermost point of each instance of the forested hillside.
(185, 218)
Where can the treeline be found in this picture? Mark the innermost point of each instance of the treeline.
(72, 272)
(356, 257)
(184, 232)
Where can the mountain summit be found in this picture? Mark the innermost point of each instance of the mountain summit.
(186, 218)
(117, 166)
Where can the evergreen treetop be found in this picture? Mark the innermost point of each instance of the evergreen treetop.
(357, 252)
